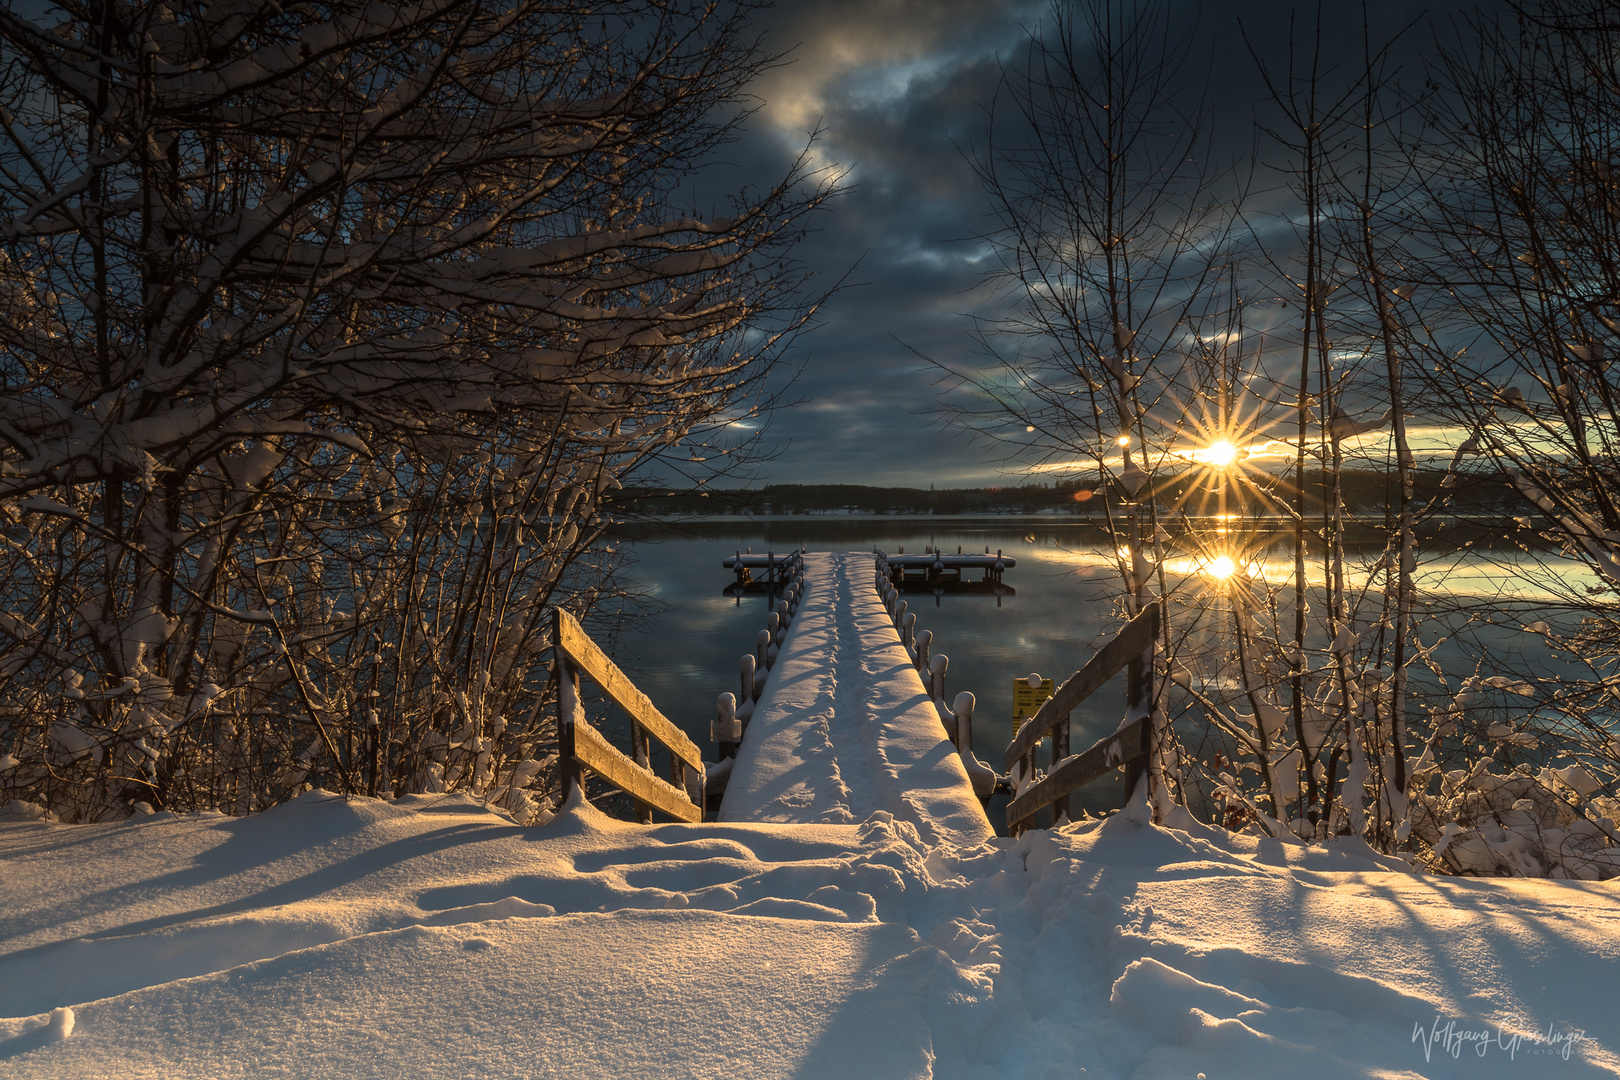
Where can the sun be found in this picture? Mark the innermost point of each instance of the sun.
(1221, 567)
(1220, 454)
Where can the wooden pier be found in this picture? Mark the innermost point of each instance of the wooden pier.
(841, 711)
(845, 726)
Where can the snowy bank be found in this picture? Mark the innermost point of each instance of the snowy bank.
(430, 938)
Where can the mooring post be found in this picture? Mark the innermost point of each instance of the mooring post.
(725, 726)
(962, 709)
(936, 677)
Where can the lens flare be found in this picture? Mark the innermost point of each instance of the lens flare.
(1221, 567)
(1220, 454)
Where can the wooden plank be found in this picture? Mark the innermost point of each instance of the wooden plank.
(572, 639)
(594, 752)
(1137, 636)
(1118, 749)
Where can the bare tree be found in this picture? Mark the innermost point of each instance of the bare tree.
(1519, 279)
(328, 332)
(1097, 166)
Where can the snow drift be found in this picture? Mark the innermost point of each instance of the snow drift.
(428, 937)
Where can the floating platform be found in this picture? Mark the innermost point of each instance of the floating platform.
(761, 573)
(934, 567)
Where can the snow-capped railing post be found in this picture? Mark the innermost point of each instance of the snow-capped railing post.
(981, 776)
(937, 665)
(762, 653)
(727, 731)
(908, 627)
(924, 639)
(962, 709)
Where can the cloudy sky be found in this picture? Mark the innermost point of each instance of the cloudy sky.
(900, 90)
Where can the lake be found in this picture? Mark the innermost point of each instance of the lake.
(1060, 606)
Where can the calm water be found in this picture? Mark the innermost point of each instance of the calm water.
(1060, 608)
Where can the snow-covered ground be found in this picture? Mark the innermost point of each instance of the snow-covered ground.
(430, 938)
(845, 727)
(853, 917)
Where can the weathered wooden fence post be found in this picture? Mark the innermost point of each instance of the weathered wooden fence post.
(641, 751)
(1130, 746)
(1060, 750)
(1139, 697)
(568, 710)
(582, 747)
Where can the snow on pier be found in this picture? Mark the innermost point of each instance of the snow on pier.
(845, 727)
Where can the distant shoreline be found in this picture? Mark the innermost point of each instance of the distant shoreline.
(1048, 518)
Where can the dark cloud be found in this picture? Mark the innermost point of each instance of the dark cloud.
(899, 89)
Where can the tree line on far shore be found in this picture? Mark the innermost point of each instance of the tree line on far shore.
(1367, 491)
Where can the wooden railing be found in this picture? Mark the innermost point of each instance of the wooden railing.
(733, 711)
(957, 716)
(1129, 746)
(581, 746)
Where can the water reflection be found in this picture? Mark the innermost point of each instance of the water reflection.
(1059, 604)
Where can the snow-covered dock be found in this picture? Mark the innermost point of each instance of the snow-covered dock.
(845, 727)
(767, 571)
(937, 567)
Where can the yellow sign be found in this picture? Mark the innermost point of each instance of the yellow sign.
(1027, 699)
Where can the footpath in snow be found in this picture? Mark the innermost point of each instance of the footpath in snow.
(845, 727)
(427, 938)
